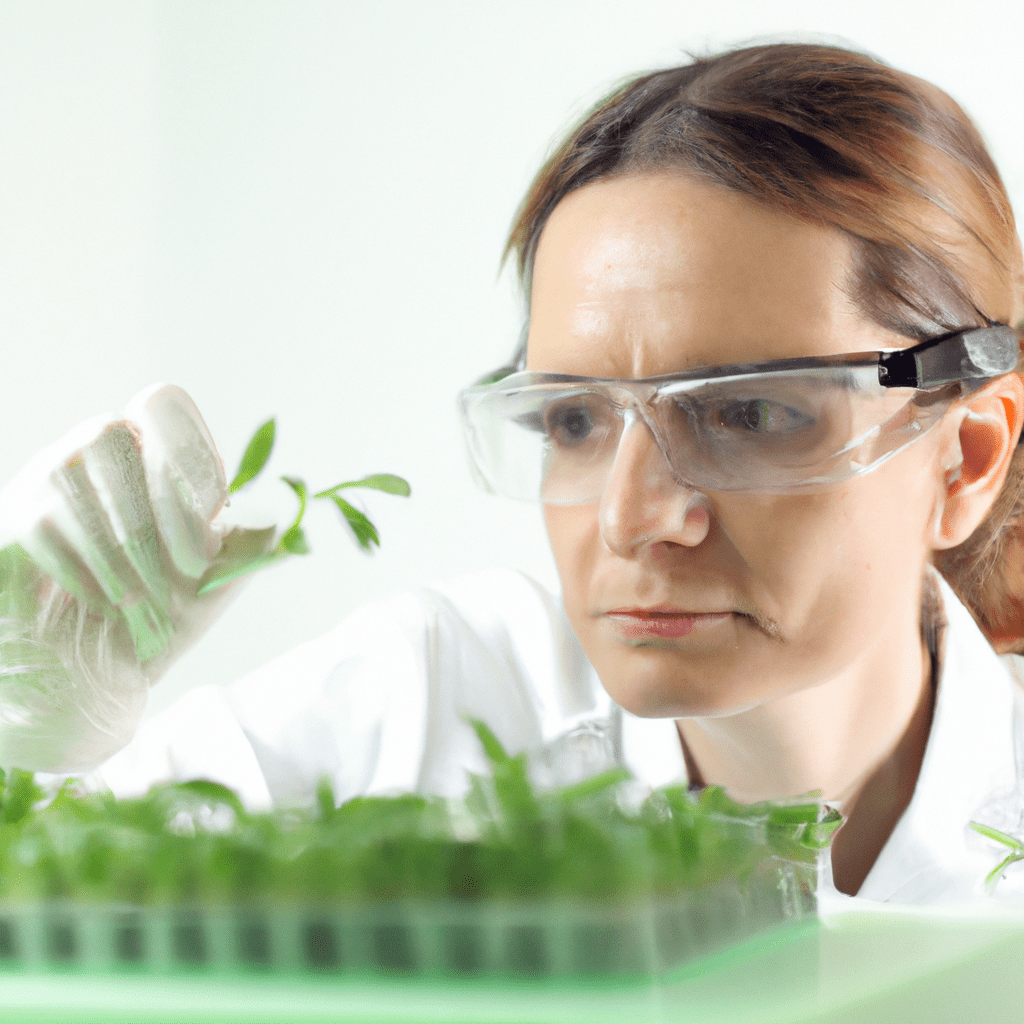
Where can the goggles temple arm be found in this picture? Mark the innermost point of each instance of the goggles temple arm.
(979, 353)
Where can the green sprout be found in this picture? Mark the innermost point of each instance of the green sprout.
(1016, 851)
(293, 541)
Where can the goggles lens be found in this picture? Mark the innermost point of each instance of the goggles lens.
(544, 437)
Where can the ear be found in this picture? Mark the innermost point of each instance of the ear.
(990, 424)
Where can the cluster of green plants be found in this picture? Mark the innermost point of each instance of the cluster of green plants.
(195, 842)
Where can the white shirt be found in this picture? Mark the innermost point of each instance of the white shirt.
(379, 705)
(968, 772)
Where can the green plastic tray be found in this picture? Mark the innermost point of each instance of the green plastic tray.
(641, 939)
(862, 970)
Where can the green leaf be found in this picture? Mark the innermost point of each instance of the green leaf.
(793, 814)
(993, 876)
(299, 487)
(255, 458)
(294, 541)
(999, 837)
(365, 531)
(325, 798)
(514, 792)
(818, 835)
(595, 784)
(20, 794)
(503, 841)
(387, 482)
(212, 791)
(492, 745)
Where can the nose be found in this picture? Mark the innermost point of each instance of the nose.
(643, 503)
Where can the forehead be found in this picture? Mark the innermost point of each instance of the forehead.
(652, 274)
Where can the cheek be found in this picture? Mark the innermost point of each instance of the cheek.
(792, 545)
(573, 534)
(830, 567)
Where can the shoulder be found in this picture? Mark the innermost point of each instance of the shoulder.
(985, 680)
(497, 613)
(501, 606)
(489, 602)
(381, 703)
(493, 600)
(519, 628)
(387, 693)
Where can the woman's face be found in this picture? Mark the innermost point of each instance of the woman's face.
(654, 274)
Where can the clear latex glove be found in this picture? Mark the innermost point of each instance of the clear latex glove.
(105, 539)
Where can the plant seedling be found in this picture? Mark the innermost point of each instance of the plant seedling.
(195, 841)
(293, 541)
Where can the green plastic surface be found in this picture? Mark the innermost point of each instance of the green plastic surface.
(861, 968)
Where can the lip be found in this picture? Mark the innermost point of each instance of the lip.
(663, 621)
(660, 610)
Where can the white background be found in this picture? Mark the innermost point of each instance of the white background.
(298, 208)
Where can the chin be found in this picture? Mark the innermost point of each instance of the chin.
(675, 699)
(659, 681)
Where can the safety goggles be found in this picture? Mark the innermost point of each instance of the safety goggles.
(773, 427)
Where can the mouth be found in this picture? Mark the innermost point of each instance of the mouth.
(664, 611)
(664, 621)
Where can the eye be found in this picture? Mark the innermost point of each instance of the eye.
(569, 424)
(762, 416)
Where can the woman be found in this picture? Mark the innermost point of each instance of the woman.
(746, 553)
(773, 203)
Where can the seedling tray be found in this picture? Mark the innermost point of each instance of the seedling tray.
(639, 939)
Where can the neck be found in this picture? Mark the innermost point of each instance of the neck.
(858, 739)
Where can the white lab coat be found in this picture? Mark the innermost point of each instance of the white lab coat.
(379, 705)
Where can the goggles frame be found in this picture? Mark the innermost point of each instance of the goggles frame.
(969, 358)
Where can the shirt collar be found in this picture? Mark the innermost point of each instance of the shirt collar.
(929, 856)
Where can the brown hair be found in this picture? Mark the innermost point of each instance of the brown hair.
(842, 139)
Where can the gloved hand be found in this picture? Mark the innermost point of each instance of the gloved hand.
(105, 540)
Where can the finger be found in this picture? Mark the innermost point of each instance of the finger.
(29, 494)
(105, 520)
(185, 475)
(28, 503)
